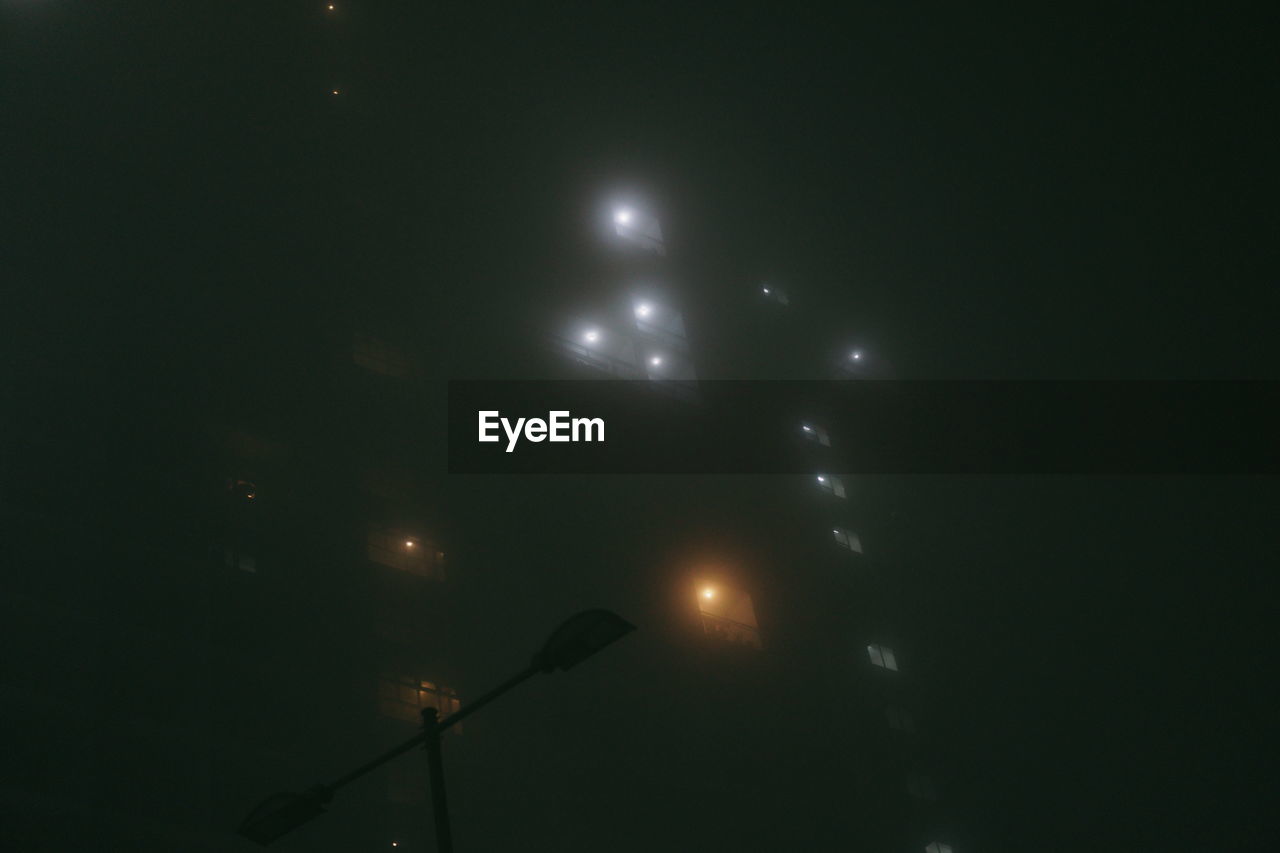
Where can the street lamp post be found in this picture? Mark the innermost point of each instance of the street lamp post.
(577, 639)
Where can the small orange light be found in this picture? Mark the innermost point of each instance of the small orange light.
(335, 91)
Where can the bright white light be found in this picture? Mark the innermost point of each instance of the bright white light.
(821, 479)
(335, 91)
(656, 361)
(591, 336)
(408, 543)
(765, 289)
(622, 217)
(708, 593)
(643, 309)
(807, 428)
(855, 355)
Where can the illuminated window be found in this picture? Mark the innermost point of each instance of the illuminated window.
(774, 293)
(830, 483)
(728, 614)
(404, 697)
(600, 348)
(847, 539)
(899, 719)
(937, 847)
(406, 551)
(815, 433)
(380, 357)
(639, 229)
(882, 656)
(921, 787)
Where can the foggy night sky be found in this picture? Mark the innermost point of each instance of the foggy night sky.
(1025, 194)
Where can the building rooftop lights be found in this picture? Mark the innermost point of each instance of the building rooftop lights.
(591, 336)
(622, 217)
(644, 309)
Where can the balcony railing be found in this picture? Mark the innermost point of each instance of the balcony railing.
(728, 629)
(617, 367)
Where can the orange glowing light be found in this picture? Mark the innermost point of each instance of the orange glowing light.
(708, 593)
(408, 543)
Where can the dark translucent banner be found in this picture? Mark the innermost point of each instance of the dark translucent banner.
(750, 427)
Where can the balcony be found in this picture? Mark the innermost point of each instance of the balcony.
(720, 627)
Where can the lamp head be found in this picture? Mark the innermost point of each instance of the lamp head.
(580, 637)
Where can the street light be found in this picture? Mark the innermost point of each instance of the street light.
(577, 639)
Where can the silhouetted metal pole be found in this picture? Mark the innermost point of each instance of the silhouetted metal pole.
(435, 766)
(577, 639)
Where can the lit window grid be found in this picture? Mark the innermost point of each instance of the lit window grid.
(817, 434)
(847, 539)
(404, 697)
(882, 656)
(831, 484)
